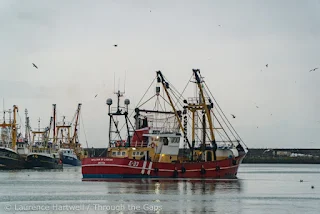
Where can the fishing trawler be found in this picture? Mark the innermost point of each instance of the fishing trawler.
(70, 148)
(151, 148)
(9, 157)
(44, 154)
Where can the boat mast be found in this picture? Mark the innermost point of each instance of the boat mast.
(75, 134)
(119, 112)
(9, 111)
(14, 128)
(26, 123)
(54, 123)
(207, 111)
(49, 128)
(38, 129)
(4, 113)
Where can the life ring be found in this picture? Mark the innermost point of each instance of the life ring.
(118, 144)
(153, 145)
(183, 170)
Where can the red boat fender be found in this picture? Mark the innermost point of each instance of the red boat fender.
(60, 161)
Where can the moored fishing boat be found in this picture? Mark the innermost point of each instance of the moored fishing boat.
(70, 151)
(44, 154)
(9, 157)
(151, 148)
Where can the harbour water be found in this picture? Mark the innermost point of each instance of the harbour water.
(261, 188)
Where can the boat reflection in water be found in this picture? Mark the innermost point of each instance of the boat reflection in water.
(176, 195)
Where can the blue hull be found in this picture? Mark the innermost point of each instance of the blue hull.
(71, 161)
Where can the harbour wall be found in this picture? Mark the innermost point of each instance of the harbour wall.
(256, 155)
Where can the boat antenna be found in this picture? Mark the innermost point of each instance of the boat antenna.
(4, 112)
(54, 122)
(124, 87)
(38, 128)
(9, 111)
(119, 84)
(26, 123)
(114, 82)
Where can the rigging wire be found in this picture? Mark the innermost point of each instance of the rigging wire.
(185, 88)
(84, 131)
(214, 115)
(226, 117)
(174, 94)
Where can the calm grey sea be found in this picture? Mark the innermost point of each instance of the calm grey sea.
(269, 188)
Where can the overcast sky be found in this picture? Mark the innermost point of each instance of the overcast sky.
(229, 41)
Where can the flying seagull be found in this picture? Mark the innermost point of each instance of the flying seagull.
(257, 106)
(233, 116)
(115, 45)
(313, 69)
(34, 65)
(96, 96)
(266, 65)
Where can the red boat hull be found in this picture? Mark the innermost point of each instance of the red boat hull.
(106, 168)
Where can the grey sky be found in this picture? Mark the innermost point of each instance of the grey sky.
(72, 44)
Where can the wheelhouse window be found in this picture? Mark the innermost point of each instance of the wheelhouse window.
(165, 141)
(176, 140)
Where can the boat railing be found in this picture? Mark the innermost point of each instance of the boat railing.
(139, 144)
(6, 121)
(43, 150)
(132, 144)
(195, 100)
(61, 123)
(220, 144)
(40, 130)
(115, 109)
(160, 129)
(224, 145)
